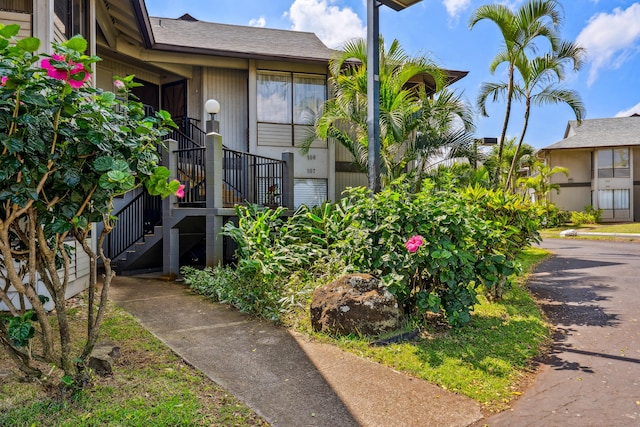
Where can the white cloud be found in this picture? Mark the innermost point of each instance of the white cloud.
(455, 7)
(258, 22)
(610, 39)
(626, 113)
(332, 24)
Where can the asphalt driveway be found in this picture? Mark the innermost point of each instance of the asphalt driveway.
(590, 291)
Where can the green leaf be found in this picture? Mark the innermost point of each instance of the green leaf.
(61, 226)
(71, 177)
(108, 97)
(77, 43)
(9, 31)
(117, 176)
(103, 163)
(29, 44)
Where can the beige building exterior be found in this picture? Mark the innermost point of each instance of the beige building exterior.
(603, 159)
(269, 84)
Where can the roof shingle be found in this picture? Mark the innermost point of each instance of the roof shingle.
(593, 133)
(238, 41)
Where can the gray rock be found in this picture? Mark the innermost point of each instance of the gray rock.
(568, 233)
(102, 358)
(355, 303)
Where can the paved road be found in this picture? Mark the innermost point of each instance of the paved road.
(591, 291)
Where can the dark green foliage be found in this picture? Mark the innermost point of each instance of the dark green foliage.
(470, 236)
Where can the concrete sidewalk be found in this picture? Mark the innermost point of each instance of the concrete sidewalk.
(281, 375)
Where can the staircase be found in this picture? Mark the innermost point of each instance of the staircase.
(136, 243)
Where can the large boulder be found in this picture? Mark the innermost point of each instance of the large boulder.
(355, 303)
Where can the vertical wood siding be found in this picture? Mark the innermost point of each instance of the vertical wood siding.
(229, 87)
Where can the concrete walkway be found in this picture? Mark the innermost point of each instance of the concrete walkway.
(282, 376)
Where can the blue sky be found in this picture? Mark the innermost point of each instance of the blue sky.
(609, 82)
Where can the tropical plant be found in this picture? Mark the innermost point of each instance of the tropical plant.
(67, 150)
(521, 31)
(540, 182)
(540, 77)
(412, 125)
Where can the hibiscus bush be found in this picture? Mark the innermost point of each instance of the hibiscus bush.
(434, 249)
(66, 150)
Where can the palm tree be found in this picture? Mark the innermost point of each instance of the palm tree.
(412, 124)
(544, 73)
(540, 182)
(520, 29)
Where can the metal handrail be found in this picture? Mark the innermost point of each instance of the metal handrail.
(135, 220)
(247, 178)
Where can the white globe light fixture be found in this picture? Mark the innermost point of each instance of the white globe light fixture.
(212, 107)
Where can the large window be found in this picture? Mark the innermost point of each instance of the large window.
(288, 103)
(613, 163)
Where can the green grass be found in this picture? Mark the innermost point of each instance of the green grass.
(488, 360)
(150, 386)
(633, 227)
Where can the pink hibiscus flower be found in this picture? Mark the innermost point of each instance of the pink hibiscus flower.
(180, 191)
(414, 243)
(76, 77)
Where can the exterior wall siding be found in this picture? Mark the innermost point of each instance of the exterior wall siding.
(576, 190)
(350, 179)
(229, 87)
(573, 195)
(22, 19)
(107, 68)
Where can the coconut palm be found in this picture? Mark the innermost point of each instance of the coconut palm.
(410, 120)
(520, 30)
(542, 74)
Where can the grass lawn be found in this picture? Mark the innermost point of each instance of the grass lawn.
(489, 360)
(631, 227)
(150, 386)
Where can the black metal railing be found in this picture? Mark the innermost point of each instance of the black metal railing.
(135, 220)
(191, 172)
(251, 178)
(246, 178)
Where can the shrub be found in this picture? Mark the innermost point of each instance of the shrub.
(468, 238)
(433, 248)
(68, 150)
(552, 216)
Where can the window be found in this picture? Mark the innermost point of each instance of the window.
(287, 106)
(615, 200)
(274, 98)
(613, 163)
(73, 16)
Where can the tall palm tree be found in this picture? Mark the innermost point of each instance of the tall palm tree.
(545, 73)
(539, 86)
(520, 29)
(409, 119)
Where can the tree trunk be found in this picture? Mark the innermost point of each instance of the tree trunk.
(503, 134)
(509, 184)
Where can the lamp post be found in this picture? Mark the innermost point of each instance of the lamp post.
(373, 84)
(212, 107)
(213, 186)
(483, 142)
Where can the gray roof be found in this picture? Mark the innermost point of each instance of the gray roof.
(593, 133)
(238, 41)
